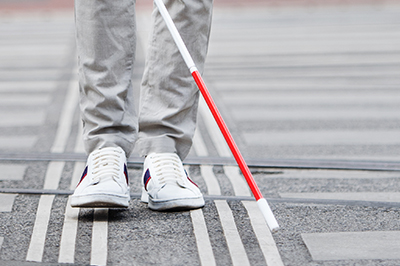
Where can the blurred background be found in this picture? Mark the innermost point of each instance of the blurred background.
(294, 79)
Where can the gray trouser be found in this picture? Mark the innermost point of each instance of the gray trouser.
(106, 43)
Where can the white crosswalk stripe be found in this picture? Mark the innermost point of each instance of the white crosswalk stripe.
(27, 86)
(68, 236)
(66, 118)
(202, 240)
(6, 202)
(98, 255)
(12, 171)
(235, 246)
(239, 184)
(22, 118)
(36, 245)
(70, 227)
(206, 170)
(265, 239)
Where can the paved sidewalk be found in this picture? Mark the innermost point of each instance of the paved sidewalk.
(314, 85)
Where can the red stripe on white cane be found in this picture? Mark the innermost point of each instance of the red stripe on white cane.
(261, 202)
(228, 137)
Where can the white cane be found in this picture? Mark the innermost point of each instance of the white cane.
(262, 203)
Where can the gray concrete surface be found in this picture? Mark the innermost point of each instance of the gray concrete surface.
(314, 82)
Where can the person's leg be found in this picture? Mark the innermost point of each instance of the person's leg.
(168, 111)
(169, 96)
(106, 41)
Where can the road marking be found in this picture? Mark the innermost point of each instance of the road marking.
(36, 245)
(264, 114)
(214, 132)
(22, 118)
(354, 245)
(238, 182)
(361, 196)
(323, 137)
(6, 202)
(12, 171)
(211, 181)
(304, 98)
(200, 228)
(68, 236)
(207, 172)
(199, 145)
(27, 86)
(98, 255)
(17, 142)
(301, 84)
(202, 238)
(235, 245)
(327, 174)
(53, 175)
(70, 227)
(52, 179)
(263, 234)
(25, 100)
(66, 118)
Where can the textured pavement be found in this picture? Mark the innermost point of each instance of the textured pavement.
(311, 95)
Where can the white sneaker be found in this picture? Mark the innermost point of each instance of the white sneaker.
(166, 184)
(104, 182)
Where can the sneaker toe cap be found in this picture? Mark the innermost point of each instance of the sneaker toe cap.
(170, 191)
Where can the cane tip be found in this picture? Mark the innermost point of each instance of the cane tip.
(268, 215)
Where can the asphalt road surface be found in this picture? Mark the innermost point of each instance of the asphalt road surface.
(311, 94)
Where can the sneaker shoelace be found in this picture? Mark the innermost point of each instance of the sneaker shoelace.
(106, 164)
(168, 169)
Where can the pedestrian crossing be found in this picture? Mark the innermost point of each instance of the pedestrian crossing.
(229, 230)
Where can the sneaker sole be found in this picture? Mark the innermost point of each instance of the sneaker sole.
(100, 201)
(176, 204)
